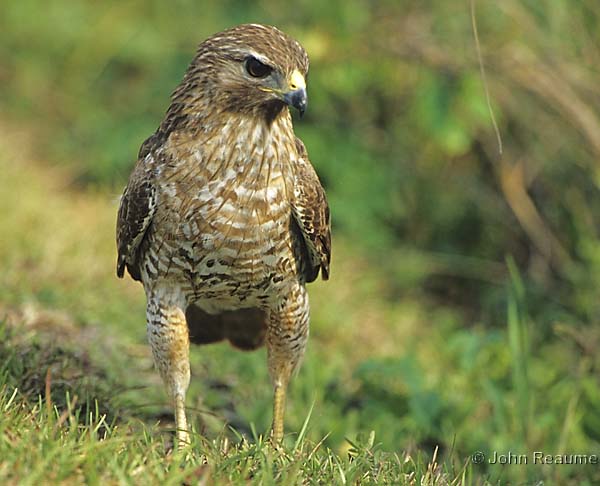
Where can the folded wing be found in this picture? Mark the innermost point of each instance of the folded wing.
(311, 215)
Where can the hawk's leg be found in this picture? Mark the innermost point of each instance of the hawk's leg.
(168, 337)
(286, 341)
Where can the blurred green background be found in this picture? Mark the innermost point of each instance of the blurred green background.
(465, 280)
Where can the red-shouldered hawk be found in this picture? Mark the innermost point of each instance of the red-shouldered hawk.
(224, 219)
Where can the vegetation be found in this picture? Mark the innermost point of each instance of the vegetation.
(463, 308)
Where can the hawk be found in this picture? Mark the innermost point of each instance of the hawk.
(224, 219)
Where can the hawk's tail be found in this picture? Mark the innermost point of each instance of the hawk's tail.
(244, 328)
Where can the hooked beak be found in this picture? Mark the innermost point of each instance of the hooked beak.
(296, 95)
(297, 99)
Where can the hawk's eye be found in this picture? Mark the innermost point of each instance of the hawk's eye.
(257, 69)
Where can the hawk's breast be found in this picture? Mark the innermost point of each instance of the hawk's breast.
(229, 215)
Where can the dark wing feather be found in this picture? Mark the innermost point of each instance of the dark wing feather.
(136, 210)
(311, 213)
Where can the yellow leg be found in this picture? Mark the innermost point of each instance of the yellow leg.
(278, 412)
(286, 340)
(183, 436)
(168, 336)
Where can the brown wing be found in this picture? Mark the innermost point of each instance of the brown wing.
(311, 214)
(138, 205)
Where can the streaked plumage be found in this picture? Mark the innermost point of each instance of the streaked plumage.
(224, 219)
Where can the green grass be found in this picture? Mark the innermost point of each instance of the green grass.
(61, 425)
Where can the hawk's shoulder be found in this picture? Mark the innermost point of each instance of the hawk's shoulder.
(175, 119)
(311, 213)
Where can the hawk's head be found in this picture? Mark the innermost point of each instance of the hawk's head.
(252, 69)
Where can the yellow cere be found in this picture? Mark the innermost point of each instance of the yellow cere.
(297, 81)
